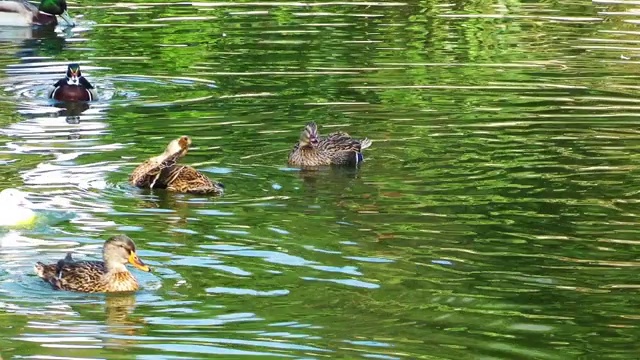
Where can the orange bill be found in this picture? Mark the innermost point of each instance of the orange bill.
(135, 261)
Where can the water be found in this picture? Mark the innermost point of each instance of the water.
(495, 216)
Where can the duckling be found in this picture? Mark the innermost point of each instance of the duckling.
(23, 13)
(338, 148)
(163, 172)
(109, 275)
(15, 209)
(73, 87)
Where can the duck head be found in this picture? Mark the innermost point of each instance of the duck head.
(73, 74)
(178, 148)
(56, 7)
(120, 250)
(309, 136)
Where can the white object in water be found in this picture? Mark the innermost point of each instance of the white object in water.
(15, 208)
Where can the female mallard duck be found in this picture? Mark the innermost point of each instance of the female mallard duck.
(110, 275)
(163, 172)
(23, 13)
(73, 87)
(15, 208)
(336, 149)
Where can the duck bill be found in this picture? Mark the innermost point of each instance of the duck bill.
(67, 18)
(135, 261)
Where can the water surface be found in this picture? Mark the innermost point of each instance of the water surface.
(494, 217)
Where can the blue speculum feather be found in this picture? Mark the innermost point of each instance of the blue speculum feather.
(359, 158)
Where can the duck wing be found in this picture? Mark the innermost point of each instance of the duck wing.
(149, 174)
(84, 82)
(143, 175)
(61, 263)
(183, 178)
(344, 149)
(341, 141)
(51, 270)
(85, 276)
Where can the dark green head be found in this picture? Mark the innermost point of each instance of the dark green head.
(56, 7)
(53, 7)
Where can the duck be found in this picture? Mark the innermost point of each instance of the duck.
(109, 275)
(73, 87)
(15, 209)
(163, 172)
(23, 13)
(338, 148)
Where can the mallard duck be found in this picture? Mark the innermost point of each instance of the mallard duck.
(73, 87)
(109, 275)
(163, 172)
(337, 148)
(23, 13)
(15, 208)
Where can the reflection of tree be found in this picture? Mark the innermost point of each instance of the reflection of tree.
(19, 324)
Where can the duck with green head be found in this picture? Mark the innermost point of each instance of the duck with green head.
(73, 87)
(23, 13)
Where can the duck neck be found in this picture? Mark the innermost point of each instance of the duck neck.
(44, 18)
(167, 158)
(161, 158)
(114, 268)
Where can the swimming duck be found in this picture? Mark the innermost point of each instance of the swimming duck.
(337, 148)
(163, 172)
(109, 275)
(15, 208)
(23, 13)
(73, 87)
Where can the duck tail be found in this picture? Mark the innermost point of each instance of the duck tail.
(365, 143)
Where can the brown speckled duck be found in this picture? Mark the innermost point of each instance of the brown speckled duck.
(109, 275)
(337, 148)
(163, 172)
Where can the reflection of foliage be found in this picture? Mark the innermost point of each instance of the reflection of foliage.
(283, 41)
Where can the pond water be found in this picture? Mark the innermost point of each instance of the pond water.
(494, 217)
